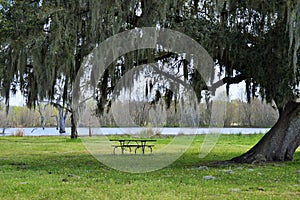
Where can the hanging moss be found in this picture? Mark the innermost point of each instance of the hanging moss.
(254, 38)
(146, 89)
(168, 97)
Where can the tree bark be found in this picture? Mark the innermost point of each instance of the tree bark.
(42, 117)
(281, 142)
(62, 127)
(74, 133)
(56, 119)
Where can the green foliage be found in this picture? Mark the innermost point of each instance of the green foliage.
(43, 43)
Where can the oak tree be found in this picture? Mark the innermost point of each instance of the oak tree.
(43, 44)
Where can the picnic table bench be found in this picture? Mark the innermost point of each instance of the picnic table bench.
(133, 143)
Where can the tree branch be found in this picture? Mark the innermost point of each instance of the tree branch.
(170, 76)
(58, 105)
(162, 56)
(227, 80)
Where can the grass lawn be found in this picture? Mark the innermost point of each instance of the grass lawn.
(59, 168)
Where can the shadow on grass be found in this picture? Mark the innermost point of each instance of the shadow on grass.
(70, 155)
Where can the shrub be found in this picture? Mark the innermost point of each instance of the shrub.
(149, 132)
(19, 133)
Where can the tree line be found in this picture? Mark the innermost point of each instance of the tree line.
(238, 114)
(22, 116)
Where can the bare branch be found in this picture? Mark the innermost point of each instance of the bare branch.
(227, 80)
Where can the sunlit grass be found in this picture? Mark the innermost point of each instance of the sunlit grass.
(59, 168)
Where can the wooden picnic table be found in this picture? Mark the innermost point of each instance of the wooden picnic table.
(133, 143)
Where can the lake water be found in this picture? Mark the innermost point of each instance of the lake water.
(135, 130)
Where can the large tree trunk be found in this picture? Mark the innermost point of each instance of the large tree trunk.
(281, 142)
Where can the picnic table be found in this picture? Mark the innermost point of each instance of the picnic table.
(133, 143)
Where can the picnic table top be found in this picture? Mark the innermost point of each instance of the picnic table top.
(133, 139)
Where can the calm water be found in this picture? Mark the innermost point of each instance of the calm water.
(112, 131)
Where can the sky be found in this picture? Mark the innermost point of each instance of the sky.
(17, 99)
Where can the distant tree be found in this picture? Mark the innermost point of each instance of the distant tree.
(3, 121)
(231, 113)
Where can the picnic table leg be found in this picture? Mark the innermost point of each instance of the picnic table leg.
(150, 149)
(143, 147)
(130, 150)
(135, 150)
(122, 147)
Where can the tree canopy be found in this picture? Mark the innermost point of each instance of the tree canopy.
(44, 42)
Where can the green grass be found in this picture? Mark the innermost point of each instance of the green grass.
(59, 168)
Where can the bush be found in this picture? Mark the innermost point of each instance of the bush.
(149, 132)
(18, 133)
